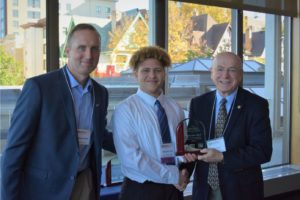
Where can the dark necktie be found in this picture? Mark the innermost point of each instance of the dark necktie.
(163, 123)
(213, 179)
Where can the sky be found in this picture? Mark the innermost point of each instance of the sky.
(123, 5)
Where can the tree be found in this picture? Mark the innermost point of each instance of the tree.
(179, 33)
(140, 35)
(11, 71)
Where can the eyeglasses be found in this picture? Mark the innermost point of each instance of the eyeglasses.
(230, 70)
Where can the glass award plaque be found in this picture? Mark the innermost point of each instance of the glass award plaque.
(190, 137)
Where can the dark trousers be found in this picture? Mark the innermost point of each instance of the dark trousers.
(132, 190)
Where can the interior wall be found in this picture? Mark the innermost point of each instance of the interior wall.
(295, 91)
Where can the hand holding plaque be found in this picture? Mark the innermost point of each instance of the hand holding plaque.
(190, 137)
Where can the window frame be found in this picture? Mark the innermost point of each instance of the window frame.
(160, 27)
(158, 20)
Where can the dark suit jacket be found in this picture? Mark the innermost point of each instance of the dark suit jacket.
(248, 142)
(41, 158)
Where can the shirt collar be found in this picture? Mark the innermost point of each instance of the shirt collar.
(150, 99)
(74, 83)
(229, 98)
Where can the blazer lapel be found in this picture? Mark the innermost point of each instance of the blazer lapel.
(98, 107)
(236, 110)
(67, 100)
(209, 119)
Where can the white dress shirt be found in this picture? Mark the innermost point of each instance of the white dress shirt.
(138, 141)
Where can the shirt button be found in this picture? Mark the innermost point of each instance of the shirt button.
(72, 177)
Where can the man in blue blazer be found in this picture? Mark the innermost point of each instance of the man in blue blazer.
(58, 129)
(245, 141)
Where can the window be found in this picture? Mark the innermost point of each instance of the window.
(15, 13)
(16, 24)
(2, 30)
(44, 48)
(98, 10)
(3, 17)
(107, 10)
(33, 15)
(9, 95)
(33, 3)
(265, 44)
(270, 68)
(103, 12)
(201, 32)
(44, 65)
(68, 7)
(15, 2)
(23, 58)
(44, 33)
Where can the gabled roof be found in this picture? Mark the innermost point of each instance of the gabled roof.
(202, 22)
(104, 31)
(214, 35)
(75, 19)
(254, 43)
(107, 27)
(258, 43)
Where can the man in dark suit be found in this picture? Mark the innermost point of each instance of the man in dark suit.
(58, 129)
(240, 146)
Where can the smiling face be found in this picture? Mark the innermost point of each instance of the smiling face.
(83, 54)
(150, 75)
(226, 73)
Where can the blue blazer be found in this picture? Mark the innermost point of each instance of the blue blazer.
(248, 141)
(41, 158)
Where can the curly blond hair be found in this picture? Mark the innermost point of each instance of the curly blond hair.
(145, 53)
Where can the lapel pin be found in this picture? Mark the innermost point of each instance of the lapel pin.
(97, 105)
(239, 107)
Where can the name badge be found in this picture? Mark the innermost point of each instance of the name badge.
(167, 154)
(218, 144)
(84, 136)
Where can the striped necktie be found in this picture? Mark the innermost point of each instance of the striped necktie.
(163, 123)
(213, 179)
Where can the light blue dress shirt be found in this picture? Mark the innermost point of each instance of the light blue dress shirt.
(230, 98)
(83, 105)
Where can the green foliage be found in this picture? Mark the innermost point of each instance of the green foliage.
(180, 33)
(11, 71)
(140, 35)
(191, 55)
